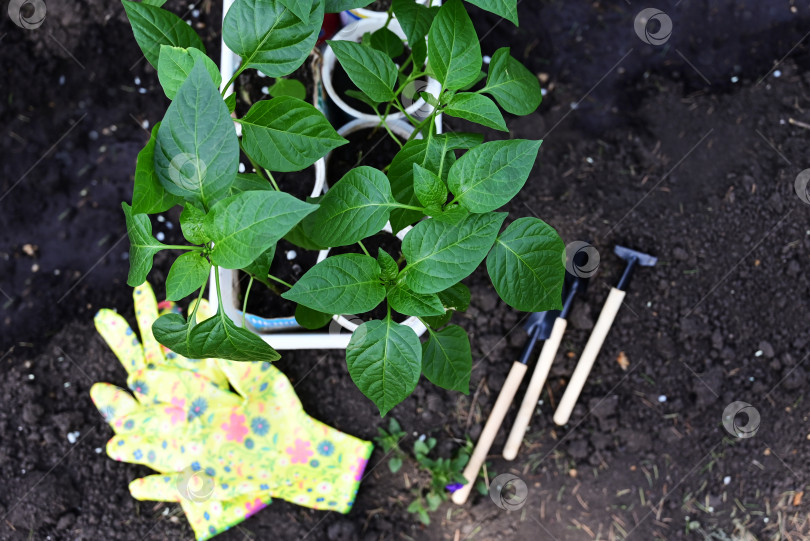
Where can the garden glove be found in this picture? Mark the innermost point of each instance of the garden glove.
(191, 428)
(115, 403)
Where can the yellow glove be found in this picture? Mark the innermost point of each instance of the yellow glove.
(222, 455)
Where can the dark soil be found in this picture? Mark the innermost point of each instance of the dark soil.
(371, 146)
(656, 148)
(267, 302)
(379, 5)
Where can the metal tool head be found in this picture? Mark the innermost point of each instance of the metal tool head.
(540, 323)
(628, 254)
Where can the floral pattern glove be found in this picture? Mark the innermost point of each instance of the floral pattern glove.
(221, 455)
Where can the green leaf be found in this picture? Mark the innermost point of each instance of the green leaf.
(394, 464)
(340, 284)
(505, 8)
(336, 6)
(447, 359)
(246, 224)
(311, 319)
(434, 155)
(489, 176)
(247, 182)
(188, 274)
(456, 297)
(191, 223)
(405, 301)
(157, 3)
(173, 331)
(197, 151)
(153, 27)
(439, 254)
(454, 53)
(384, 360)
(476, 108)
(414, 18)
(230, 102)
(300, 8)
(288, 87)
(372, 71)
(142, 246)
(516, 89)
(286, 134)
(148, 195)
(462, 140)
(356, 94)
(388, 267)
(269, 37)
(430, 190)
(387, 42)
(356, 207)
(260, 267)
(175, 65)
(219, 338)
(526, 266)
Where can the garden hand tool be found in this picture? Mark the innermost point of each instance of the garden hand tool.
(176, 427)
(600, 330)
(538, 327)
(540, 373)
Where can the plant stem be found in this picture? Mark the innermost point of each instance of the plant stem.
(409, 207)
(272, 180)
(182, 247)
(244, 302)
(236, 74)
(360, 242)
(279, 280)
(192, 317)
(220, 308)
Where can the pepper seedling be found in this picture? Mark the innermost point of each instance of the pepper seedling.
(449, 185)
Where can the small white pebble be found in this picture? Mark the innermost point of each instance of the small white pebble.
(241, 168)
(291, 255)
(188, 22)
(710, 509)
(195, 13)
(67, 384)
(73, 436)
(191, 6)
(56, 272)
(260, 74)
(97, 450)
(137, 80)
(765, 520)
(589, 160)
(487, 59)
(160, 236)
(758, 353)
(265, 90)
(145, 124)
(422, 437)
(574, 105)
(777, 74)
(23, 471)
(161, 218)
(165, 512)
(649, 304)
(61, 80)
(735, 79)
(751, 378)
(169, 225)
(142, 90)
(662, 398)
(781, 121)
(726, 479)
(539, 402)
(543, 91)
(30, 376)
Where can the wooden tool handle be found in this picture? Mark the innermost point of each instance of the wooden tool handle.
(479, 455)
(539, 376)
(589, 354)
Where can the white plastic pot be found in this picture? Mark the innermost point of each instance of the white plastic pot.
(351, 15)
(354, 32)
